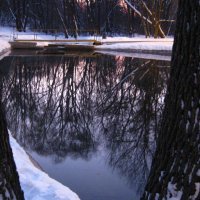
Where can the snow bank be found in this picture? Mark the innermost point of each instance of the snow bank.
(136, 43)
(172, 192)
(136, 38)
(36, 184)
(5, 34)
(160, 45)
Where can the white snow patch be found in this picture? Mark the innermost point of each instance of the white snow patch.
(157, 196)
(140, 45)
(5, 34)
(161, 175)
(182, 104)
(36, 184)
(187, 126)
(172, 193)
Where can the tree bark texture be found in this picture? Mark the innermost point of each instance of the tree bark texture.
(177, 158)
(9, 180)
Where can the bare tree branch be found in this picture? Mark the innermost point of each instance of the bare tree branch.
(137, 12)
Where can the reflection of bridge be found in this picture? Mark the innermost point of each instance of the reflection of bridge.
(55, 47)
(33, 53)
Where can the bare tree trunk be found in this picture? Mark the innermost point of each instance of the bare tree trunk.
(9, 180)
(153, 20)
(65, 18)
(176, 163)
(99, 17)
(62, 20)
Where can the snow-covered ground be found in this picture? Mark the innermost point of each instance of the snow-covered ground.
(136, 43)
(145, 45)
(5, 34)
(36, 184)
(122, 44)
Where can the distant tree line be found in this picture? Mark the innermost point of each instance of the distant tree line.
(105, 17)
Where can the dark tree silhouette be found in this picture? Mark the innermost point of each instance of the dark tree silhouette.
(75, 17)
(9, 180)
(176, 163)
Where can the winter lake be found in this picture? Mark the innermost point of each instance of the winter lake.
(90, 122)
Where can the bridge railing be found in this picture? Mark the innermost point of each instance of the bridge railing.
(56, 34)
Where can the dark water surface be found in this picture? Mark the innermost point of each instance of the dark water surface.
(90, 122)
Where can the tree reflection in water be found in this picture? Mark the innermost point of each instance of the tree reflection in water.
(64, 106)
(131, 114)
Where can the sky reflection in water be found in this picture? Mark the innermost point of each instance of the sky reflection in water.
(90, 122)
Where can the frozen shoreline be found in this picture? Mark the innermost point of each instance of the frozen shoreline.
(35, 183)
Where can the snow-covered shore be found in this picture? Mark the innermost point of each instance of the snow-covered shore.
(5, 34)
(36, 184)
(138, 44)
